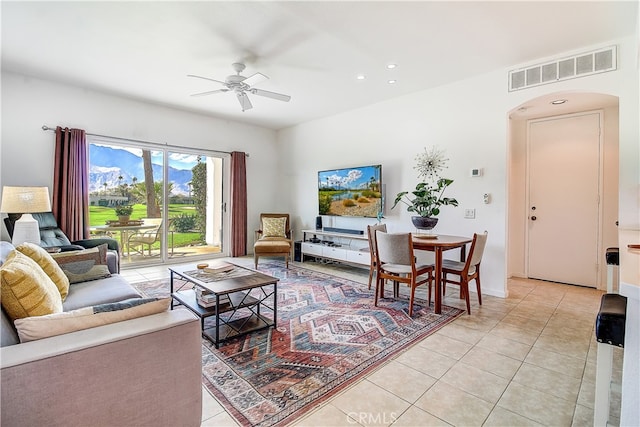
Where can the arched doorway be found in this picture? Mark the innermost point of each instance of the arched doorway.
(519, 213)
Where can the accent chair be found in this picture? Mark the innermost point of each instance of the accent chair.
(273, 238)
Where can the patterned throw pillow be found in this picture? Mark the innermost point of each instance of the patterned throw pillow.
(26, 288)
(47, 263)
(88, 264)
(34, 328)
(274, 227)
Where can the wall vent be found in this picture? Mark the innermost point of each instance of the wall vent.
(584, 64)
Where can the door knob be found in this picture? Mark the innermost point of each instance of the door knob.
(533, 218)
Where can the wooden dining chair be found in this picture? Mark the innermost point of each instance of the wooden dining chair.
(397, 262)
(371, 234)
(466, 271)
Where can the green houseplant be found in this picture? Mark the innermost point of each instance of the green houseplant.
(425, 201)
(427, 198)
(123, 212)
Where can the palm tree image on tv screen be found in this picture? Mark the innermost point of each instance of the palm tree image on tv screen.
(353, 192)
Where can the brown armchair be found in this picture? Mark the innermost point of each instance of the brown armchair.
(273, 238)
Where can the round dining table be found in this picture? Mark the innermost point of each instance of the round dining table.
(439, 243)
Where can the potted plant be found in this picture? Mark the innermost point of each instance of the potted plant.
(427, 198)
(426, 202)
(124, 213)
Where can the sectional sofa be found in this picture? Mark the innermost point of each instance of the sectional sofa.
(137, 372)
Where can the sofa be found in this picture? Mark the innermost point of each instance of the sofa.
(137, 372)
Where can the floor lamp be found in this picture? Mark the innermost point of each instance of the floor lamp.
(25, 200)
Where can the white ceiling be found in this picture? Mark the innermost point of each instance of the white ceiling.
(311, 50)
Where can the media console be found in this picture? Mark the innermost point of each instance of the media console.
(338, 246)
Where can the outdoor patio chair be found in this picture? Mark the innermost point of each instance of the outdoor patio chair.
(147, 237)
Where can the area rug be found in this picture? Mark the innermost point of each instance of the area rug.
(328, 335)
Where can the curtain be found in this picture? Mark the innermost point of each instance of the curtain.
(70, 204)
(238, 204)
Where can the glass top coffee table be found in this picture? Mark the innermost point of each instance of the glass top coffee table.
(235, 296)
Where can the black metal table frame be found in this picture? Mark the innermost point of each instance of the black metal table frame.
(237, 300)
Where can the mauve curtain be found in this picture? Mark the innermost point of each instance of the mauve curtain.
(70, 204)
(238, 204)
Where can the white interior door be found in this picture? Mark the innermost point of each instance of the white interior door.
(563, 199)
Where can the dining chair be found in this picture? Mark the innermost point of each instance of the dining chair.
(371, 234)
(467, 271)
(397, 262)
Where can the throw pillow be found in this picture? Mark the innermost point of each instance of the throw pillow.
(274, 227)
(88, 264)
(47, 263)
(34, 328)
(26, 288)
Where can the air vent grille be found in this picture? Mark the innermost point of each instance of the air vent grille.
(584, 64)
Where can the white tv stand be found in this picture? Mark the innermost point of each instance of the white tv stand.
(343, 247)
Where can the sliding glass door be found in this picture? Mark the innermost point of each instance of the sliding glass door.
(174, 199)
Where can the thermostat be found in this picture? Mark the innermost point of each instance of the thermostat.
(476, 172)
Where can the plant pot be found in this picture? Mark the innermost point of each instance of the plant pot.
(123, 219)
(424, 223)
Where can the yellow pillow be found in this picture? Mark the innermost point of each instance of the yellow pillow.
(274, 227)
(48, 264)
(26, 288)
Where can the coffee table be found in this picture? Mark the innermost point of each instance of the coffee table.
(239, 294)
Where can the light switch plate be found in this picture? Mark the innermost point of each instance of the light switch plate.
(470, 213)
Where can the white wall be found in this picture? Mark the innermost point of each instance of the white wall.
(469, 119)
(26, 155)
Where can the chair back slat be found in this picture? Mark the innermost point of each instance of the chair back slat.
(371, 234)
(394, 248)
(477, 248)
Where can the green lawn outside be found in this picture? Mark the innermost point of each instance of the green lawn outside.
(99, 215)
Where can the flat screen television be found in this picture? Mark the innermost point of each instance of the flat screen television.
(355, 192)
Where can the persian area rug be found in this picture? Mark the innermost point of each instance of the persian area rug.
(328, 335)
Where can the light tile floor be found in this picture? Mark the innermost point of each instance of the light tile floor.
(527, 360)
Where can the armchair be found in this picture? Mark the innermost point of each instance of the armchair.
(273, 238)
(51, 236)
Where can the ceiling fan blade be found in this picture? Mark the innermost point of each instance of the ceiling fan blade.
(244, 101)
(273, 95)
(210, 92)
(255, 79)
(206, 78)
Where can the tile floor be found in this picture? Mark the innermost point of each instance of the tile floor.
(527, 360)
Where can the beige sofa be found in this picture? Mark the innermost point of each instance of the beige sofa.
(140, 372)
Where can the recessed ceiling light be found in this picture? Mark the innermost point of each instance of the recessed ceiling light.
(391, 66)
(559, 101)
(391, 82)
(360, 77)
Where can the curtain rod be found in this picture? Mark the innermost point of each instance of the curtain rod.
(46, 128)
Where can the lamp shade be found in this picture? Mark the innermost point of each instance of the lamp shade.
(25, 200)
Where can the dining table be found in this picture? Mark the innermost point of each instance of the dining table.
(438, 243)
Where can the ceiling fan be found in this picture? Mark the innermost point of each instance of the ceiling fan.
(242, 85)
